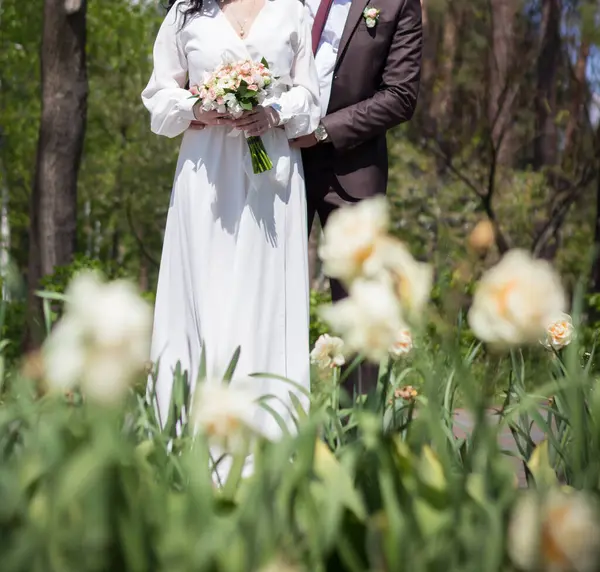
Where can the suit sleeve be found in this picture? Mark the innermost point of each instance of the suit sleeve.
(165, 96)
(396, 99)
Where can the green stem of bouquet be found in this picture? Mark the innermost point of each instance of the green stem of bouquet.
(260, 160)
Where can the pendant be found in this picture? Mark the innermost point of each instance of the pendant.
(242, 33)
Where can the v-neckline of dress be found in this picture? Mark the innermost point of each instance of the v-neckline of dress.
(232, 27)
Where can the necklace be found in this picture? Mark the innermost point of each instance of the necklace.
(242, 23)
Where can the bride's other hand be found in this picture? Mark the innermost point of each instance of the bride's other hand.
(210, 117)
(257, 121)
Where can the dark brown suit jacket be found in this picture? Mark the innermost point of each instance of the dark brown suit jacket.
(375, 87)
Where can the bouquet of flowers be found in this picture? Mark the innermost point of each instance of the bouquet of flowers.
(234, 88)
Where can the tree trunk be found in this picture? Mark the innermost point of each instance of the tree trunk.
(144, 271)
(441, 104)
(577, 98)
(502, 87)
(313, 248)
(428, 67)
(53, 221)
(4, 226)
(596, 266)
(545, 144)
(429, 48)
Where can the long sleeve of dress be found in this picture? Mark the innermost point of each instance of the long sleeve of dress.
(169, 104)
(300, 108)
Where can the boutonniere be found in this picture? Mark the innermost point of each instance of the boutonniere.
(371, 16)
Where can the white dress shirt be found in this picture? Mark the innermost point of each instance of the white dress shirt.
(328, 46)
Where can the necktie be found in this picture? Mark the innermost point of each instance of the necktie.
(319, 23)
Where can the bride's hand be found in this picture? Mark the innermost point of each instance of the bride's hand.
(257, 121)
(210, 117)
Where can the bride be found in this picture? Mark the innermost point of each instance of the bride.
(234, 264)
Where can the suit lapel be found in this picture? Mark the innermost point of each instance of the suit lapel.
(354, 16)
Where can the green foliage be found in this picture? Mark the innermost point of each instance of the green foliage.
(13, 318)
(317, 326)
(127, 173)
(373, 487)
(19, 112)
(62, 275)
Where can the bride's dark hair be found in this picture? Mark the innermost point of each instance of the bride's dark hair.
(194, 7)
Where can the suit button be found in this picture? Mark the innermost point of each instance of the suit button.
(335, 76)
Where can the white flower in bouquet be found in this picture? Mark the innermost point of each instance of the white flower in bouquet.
(225, 414)
(558, 533)
(350, 238)
(516, 300)
(102, 341)
(368, 320)
(403, 344)
(328, 352)
(559, 333)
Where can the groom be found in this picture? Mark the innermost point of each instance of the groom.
(368, 56)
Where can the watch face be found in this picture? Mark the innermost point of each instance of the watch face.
(320, 133)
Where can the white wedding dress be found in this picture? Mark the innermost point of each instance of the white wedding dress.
(234, 263)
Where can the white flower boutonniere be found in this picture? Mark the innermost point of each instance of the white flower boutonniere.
(371, 16)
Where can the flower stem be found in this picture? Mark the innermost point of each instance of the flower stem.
(260, 160)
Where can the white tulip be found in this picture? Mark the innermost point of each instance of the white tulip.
(102, 341)
(64, 358)
(356, 245)
(349, 239)
(403, 344)
(226, 414)
(559, 333)
(411, 280)
(368, 320)
(328, 352)
(280, 564)
(559, 533)
(515, 300)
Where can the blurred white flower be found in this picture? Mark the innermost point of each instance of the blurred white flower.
(368, 320)
(411, 279)
(279, 564)
(559, 333)
(356, 245)
(482, 237)
(515, 300)
(102, 341)
(403, 343)
(225, 413)
(558, 533)
(328, 352)
(349, 239)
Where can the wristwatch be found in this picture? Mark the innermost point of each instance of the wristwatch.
(321, 133)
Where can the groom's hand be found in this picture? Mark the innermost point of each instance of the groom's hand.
(304, 142)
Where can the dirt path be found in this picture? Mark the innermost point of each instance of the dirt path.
(464, 424)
